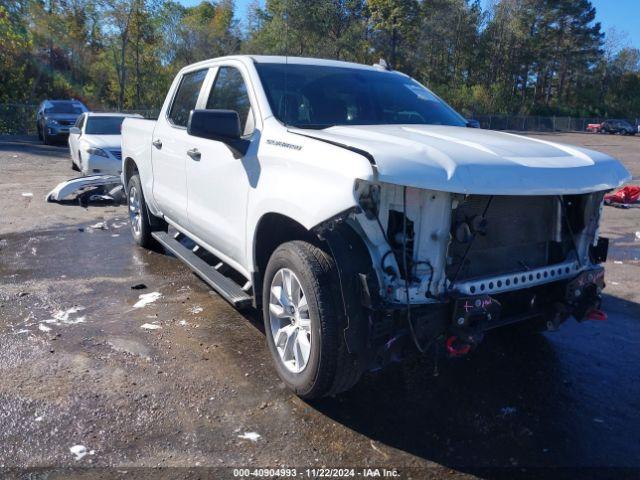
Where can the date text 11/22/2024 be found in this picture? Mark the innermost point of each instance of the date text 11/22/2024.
(316, 472)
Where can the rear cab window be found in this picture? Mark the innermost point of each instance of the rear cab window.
(186, 97)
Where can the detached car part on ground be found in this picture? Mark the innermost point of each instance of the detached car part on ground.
(361, 214)
(84, 190)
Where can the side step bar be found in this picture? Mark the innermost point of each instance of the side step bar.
(227, 288)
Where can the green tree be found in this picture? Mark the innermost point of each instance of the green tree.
(396, 23)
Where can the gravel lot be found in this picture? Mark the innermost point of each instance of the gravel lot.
(77, 368)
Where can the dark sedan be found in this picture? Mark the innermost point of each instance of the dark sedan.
(55, 117)
(620, 127)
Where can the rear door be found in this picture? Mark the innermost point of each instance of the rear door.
(218, 180)
(170, 143)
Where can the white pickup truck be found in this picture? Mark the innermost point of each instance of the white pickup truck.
(360, 212)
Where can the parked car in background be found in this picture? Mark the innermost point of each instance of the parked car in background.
(54, 118)
(473, 123)
(94, 143)
(619, 127)
(594, 127)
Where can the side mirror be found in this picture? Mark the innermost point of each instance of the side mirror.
(220, 125)
(473, 123)
(74, 131)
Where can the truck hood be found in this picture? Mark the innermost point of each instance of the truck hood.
(470, 160)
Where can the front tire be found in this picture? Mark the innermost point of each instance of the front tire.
(303, 317)
(142, 222)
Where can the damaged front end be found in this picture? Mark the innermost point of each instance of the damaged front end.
(422, 267)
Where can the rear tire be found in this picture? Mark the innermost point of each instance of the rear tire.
(143, 223)
(328, 368)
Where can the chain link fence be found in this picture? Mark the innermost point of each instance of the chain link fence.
(536, 123)
(20, 119)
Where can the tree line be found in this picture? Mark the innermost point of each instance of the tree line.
(528, 57)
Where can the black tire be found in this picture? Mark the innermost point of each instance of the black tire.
(39, 132)
(45, 137)
(148, 223)
(330, 369)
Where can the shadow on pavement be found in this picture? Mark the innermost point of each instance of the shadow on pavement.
(32, 145)
(516, 402)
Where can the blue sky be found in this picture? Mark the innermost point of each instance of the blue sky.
(623, 15)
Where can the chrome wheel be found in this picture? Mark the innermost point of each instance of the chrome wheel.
(135, 212)
(289, 320)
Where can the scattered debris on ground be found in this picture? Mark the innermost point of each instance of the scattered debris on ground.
(99, 226)
(150, 326)
(65, 316)
(253, 436)
(624, 198)
(147, 298)
(80, 451)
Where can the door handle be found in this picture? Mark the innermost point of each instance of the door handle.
(194, 153)
(157, 143)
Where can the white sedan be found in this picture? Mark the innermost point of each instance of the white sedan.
(94, 143)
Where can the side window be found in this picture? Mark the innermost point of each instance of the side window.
(229, 92)
(186, 97)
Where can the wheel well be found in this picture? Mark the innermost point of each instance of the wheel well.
(273, 230)
(130, 168)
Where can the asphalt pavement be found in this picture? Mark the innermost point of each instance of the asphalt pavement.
(98, 378)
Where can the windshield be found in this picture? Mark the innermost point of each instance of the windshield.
(319, 96)
(63, 107)
(104, 125)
